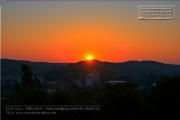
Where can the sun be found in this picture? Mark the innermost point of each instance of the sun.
(89, 57)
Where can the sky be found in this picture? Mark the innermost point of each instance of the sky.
(68, 31)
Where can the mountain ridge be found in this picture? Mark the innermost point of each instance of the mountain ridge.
(134, 68)
(129, 61)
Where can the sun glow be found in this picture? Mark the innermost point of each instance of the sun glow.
(89, 57)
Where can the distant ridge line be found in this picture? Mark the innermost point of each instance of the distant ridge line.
(94, 60)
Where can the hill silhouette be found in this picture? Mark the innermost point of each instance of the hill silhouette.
(108, 71)
(126, 68)
(10, 66)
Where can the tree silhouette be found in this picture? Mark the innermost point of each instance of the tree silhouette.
(30, 92)
(28, 79)
(164, 100)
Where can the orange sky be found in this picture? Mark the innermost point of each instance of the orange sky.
(68, 34)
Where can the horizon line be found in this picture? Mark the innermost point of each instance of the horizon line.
(88, 60)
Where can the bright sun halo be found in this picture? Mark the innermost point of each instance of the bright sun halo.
(89, 57)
